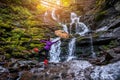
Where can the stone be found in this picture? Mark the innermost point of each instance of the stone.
(3, 73)
(96, 41)
(26, 75)
(117, 50)
(117, 6)
(2, 69)
(106, 72)
(116, 32)
(78, 70)
(114, 24)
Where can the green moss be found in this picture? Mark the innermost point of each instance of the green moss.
(7, 56)
(20, 29)
(80, 38)
(32, 45)
(113, 43)
(99, 2)
(100, 15)
(16, 54)
(21, 48)
(20, 10)
(25, 39)
(4, 25)
(105, 47)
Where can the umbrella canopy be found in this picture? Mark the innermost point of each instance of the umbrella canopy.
(61, 34)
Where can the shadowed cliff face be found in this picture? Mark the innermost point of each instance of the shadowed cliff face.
(102, 13)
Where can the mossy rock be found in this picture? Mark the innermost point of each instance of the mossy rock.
(19, 24)
(99, 3)
(5, 26)
(7, 56)
(25, 39)
(36, 45)
(112, 44)
(105, 47)
(100, 15)
(20, 48)
(19, 55)
(2, 51)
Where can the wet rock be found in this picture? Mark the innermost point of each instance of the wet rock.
(79, 69)
(4, 76)
(117, 6)
(114, 24)
(116, 32)
(115, 54)
(108, 34)
(73, 70)
(13, 76)
(52, 72)
(2, 69)
(107, 72)
(3, 73)
(117, 50)
(96, 41)
(25, 75)
(22, 65)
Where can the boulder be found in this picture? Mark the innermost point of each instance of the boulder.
(96, 41)
(117, 6)
(116, 32)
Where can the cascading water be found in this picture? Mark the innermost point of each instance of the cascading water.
(65, 28)
(81, 28)
(53, 15)
(92, 48)
(71, 49)
(45, 20)
(73, 17)
(71, 46)
(55, 51)
(105, 28)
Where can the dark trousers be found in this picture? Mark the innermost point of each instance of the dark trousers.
(43, 54)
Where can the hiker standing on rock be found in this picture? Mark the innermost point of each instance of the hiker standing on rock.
(45, 50)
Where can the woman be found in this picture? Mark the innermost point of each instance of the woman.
(45, 50)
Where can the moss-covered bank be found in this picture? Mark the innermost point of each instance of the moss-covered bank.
(20, 27)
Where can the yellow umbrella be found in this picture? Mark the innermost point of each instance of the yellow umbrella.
(61, 34)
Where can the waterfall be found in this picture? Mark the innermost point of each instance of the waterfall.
(104, 28)
(53, 15)
(55, 51)
(92, 48)
(73, 18)
(65, 28)
(45, 14)
(81, 28)
(71, 49)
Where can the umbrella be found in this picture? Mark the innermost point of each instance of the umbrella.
(61, 34)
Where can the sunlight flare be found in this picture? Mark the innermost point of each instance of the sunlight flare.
(51, 3)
